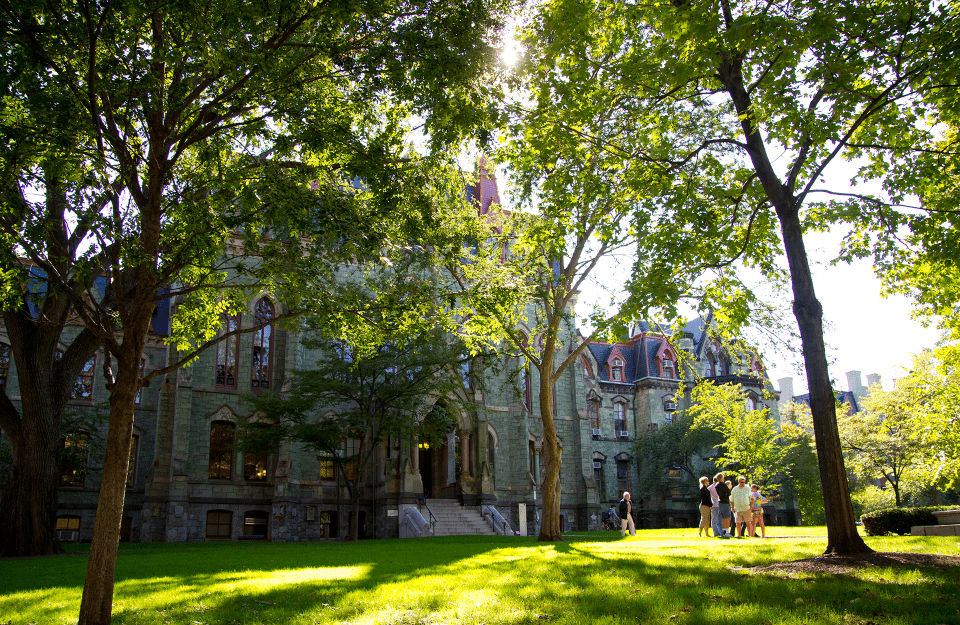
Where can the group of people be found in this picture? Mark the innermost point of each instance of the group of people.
(721, 504)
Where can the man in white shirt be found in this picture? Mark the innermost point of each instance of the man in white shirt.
(740, 500)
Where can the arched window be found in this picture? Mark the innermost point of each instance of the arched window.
(221, 450)
(525, 384)
(616, 370)
(73, 461)
(255, 524)
(4, 365)
(262, 345)
(620, 419)
(132, 464)
(219, 524)
(587, 371)
(83, 386)
(593, 412)
(226, 371)
(669, 366)
(751, 403)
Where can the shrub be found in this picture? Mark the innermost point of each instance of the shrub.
(900, 520)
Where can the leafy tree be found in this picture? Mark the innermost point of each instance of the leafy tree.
(680, 445)
(142, 142)
(880, 440)
(760, 99)
(751, 440)
(347, 405)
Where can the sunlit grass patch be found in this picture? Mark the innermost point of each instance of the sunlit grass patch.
(660, 576)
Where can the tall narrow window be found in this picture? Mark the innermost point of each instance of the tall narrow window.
(83, 386)
(587, 371)
(73, 461)
(623, 475)
(227, 352)
(4, 365)
(255, 466)
(620, 418)
(593, 411)
(143, 366)
(262, 345)
(221, 450)
(525, 385)
(132, 465)
(598, 478)
(616, 370)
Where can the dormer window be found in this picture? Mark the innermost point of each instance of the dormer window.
(616, 370)
(668, 369)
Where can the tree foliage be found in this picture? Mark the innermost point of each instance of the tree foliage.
(156, 145)
(679, 445)
(747, 106)
(750, 439)
(361, 397)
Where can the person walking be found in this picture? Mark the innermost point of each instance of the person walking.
(626, 516)
(706, 503)
(740, 498)
(723, 493)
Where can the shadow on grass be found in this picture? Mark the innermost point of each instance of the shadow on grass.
(479, 580)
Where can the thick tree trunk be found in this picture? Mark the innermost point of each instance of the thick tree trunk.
(96, 606)
(29, 510)
(550, 486)
(842, 534)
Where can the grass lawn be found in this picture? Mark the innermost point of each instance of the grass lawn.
(661, 576)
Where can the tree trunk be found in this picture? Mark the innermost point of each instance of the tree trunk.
(96, 606)
(29, 510)
(550, 520)
(842, 535)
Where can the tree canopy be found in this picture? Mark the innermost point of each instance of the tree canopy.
(153, 145)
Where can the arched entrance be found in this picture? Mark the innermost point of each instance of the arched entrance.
(439, 454)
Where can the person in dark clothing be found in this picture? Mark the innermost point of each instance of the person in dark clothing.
(610, 519)
(705, 504)
(626, 518)
(723, 492)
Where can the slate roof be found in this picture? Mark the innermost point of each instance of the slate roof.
(843, 397)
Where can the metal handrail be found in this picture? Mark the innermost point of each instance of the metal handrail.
(499, 523)
(433, 519)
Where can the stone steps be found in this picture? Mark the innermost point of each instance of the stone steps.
(455, 520)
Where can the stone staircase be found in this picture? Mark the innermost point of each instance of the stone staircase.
(456, 520)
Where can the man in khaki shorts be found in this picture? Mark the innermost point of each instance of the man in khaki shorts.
(740, 500)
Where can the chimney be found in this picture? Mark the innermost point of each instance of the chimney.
(873, 378)
(855, 383)
(786, 391)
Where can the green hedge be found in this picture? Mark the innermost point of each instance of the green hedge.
(900, 520)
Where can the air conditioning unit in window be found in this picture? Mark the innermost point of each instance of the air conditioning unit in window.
(669, 406)
(596, 431)
(68, 536)
(623, 434)
(597, 465)
(668, 364)
(621, 475)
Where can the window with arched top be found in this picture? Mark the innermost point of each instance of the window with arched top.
(587, 371)
(593, 412)
(751, 403)
(616, 370)
(525, 383)
(620, 419)
(83, 385)
(262, 345)
(226, 371)
(73, 459)
(668, 366)
(222, 435)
